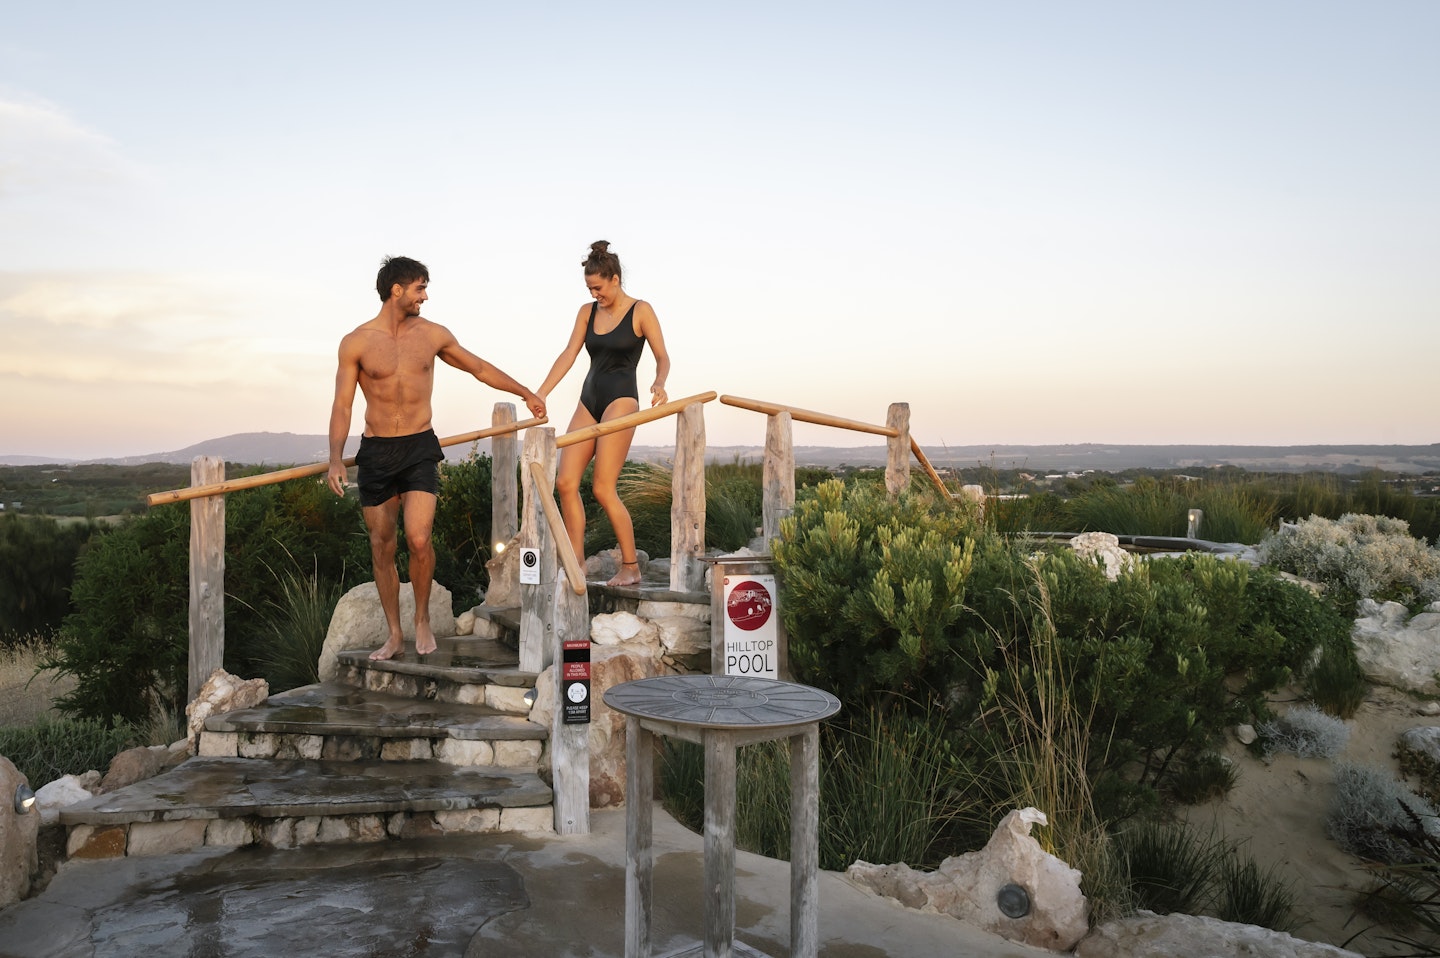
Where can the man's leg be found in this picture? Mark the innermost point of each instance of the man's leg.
(380, 520)
(419, 520)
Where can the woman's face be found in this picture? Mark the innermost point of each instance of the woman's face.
(605, 291)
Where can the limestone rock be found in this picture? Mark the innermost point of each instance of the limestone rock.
(609, 666)
(1245, 734)
(139, 763)
(465, 622)
(618, 628)
(223, 692)
(1395, 649)
(966, 887)
(1106, 548)
(359, 622)
(61, 793)
(1148, 935)
(19, 838)
(504, 571)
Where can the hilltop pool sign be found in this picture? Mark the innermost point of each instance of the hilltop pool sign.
(751, 638)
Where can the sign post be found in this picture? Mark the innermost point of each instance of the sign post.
(746, 634)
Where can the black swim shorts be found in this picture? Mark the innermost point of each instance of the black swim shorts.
(390, 465)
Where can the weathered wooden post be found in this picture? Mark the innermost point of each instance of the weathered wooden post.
(504, 488)
(207, 574)
(778, 475)
(897, 460)
(570, 722)
(537, 602)
(687, 507)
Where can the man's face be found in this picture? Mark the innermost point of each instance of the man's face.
(409, 298)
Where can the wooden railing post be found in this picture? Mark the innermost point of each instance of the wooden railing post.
(897, 461)
(687, 505)
(778, 475)
(537, 602)
(569, 743)
(207, 575)
(504, 488)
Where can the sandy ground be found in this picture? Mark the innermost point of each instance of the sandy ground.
(1279, 809)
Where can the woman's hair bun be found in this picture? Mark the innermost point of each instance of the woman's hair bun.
(601, 246)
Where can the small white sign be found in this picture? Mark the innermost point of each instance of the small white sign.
(750, 633)
(529, 566)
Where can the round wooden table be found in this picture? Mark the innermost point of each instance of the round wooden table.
(721, 713)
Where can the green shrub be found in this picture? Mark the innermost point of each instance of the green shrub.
(54, 748)
(462, 529)
(37, 568)
(1208, 777)
(295, 626)
(1171, 868)
(872, 587)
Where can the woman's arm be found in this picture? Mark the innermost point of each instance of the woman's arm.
(566, 359)
(650, 329)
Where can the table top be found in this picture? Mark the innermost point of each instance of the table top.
(722, 701)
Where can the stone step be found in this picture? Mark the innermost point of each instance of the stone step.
(284, 803)
(338, 722)
(462, 670)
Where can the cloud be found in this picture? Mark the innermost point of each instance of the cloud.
(46, 151)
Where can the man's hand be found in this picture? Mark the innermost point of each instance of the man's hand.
(535, 404)
(336, 478)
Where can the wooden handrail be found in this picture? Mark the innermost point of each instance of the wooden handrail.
(805, 415)
(633, 419)
(925, 462)
(557, 529)
(315, 469)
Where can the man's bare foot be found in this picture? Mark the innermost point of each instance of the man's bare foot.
(424, 638)
(629, 574)
(389, 650)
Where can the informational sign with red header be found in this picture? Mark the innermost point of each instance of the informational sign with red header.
(750, 633)
(575, 682)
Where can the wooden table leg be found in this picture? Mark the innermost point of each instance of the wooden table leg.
(804, 842)
(639, 850)
(719, 842)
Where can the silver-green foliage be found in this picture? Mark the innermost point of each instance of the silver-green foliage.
(1305, 731)
(1370, 806)
(1368, 556)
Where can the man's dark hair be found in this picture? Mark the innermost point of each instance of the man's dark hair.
(398, 269)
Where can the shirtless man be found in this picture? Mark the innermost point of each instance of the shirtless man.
(392, 359)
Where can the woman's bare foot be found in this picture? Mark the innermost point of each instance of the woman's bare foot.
(424, 638)
(629, 574)
(389, 650)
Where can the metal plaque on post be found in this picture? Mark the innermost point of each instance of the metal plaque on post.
(746, 634)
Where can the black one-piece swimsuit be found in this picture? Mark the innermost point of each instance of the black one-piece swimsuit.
(614, 357)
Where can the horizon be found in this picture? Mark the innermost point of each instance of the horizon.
(1158, 224)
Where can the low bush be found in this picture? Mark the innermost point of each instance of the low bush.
(1210, 776)
(1305, 731)
(1249, 895)
(1360, 556)
(1370, 809)
(1171, 868)
(53, 748)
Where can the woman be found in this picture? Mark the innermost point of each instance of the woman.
(614, 330)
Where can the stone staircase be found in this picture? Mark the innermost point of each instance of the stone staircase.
(405, 748)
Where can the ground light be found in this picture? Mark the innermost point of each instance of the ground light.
(24, 798)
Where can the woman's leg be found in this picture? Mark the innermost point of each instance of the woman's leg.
(573, 460)
(610, 452)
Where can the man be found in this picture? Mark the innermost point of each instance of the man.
(392, 359)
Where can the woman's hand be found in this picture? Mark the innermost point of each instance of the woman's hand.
(657, 395)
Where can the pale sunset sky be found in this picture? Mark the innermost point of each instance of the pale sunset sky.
(1035, 222)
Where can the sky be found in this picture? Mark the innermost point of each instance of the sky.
(1034, 222)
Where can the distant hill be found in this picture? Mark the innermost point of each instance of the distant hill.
(286, 449)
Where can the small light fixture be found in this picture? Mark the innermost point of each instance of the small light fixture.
(1013, 901)
(24, 798)
(499, 548)
(530, 696)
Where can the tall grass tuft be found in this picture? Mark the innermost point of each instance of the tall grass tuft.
(1043, 751)
(292, 628)
(1249, 895)
(52, 748)
(1171, 869)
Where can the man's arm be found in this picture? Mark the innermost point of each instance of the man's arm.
(347, 377)
(461, 358)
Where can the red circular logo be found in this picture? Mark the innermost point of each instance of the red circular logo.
(749, 605)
